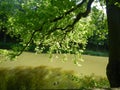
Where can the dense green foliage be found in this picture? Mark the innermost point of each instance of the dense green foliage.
(51, 24)
(27, 78)
(99, 37)
(34, 21)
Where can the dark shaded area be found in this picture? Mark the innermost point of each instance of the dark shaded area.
(92, 45)
(6, 41)
(113, 67)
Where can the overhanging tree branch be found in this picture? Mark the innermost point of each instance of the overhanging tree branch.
(85, 14)
(66, 29)
(78, 17)
(30, 40)
(68, 12)
(27, 44)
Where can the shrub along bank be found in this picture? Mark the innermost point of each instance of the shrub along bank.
(28, 78)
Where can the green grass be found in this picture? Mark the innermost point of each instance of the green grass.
(96, 53)
(28, 78)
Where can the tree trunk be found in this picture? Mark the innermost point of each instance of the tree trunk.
(113, 67)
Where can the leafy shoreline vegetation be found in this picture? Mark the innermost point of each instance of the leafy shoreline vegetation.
(88, 51)
(28, 78)
(96, 53)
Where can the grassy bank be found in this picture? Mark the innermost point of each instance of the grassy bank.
(96, 53)
(28, 78)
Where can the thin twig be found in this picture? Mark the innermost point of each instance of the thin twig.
(30, 40)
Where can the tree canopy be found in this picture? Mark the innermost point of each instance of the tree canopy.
(58, 25)
(51, 23)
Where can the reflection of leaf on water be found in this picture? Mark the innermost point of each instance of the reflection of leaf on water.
(64, 58)
(81, 59)
(51, 57)
(77, 63)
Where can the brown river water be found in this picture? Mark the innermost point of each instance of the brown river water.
(92, 64)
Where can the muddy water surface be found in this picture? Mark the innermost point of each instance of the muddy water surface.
(91, 64)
